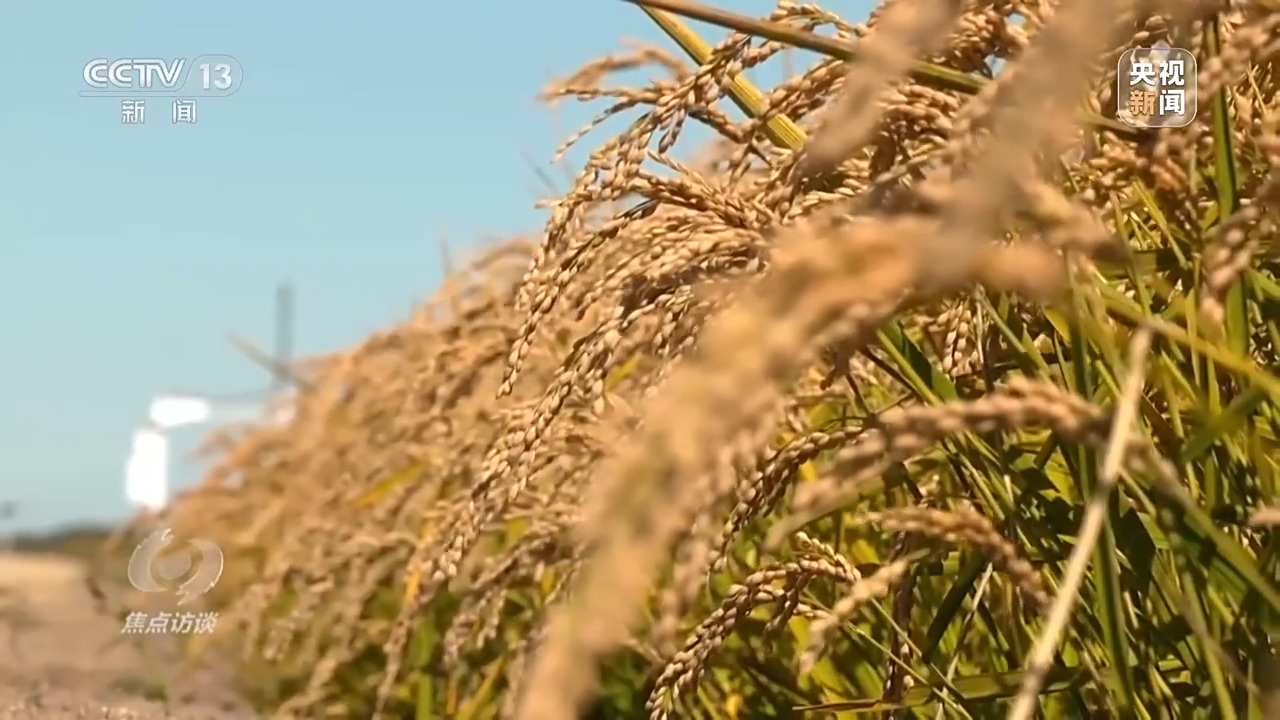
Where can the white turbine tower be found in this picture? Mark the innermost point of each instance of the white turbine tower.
(147, 470)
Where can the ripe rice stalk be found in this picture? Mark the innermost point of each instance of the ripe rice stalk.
(745, 433)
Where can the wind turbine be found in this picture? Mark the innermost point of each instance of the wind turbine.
(147, 469)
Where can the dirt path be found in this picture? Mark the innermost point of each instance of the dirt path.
(62, 658)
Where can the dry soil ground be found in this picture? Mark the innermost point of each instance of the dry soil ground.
(62, 657)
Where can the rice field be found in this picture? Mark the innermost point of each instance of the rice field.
(920, 391)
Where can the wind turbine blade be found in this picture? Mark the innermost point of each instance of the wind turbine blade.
(232, 398)
(256, 355)
(285, 316)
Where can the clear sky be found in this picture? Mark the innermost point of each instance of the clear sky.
(362, 134)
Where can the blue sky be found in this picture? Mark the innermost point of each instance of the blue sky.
(362, 135)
